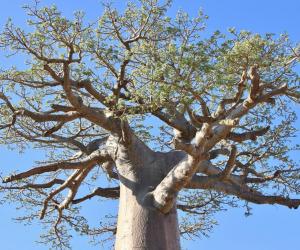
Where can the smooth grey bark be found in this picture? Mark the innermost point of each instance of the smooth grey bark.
(144, 228)
(140, 224)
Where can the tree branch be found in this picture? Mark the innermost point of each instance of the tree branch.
(113, 193)
(252, 135)
(230, 164)
(95, 157)
(35, 185)
(254, 76)
(241, 191)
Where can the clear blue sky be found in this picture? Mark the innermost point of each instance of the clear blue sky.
(271, 227)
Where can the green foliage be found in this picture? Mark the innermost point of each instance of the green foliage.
(144, 62)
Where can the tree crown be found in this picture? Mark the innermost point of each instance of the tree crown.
(225, 100)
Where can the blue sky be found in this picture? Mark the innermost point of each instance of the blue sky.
(270, 227)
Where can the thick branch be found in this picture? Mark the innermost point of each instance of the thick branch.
(254, 76)
(95, 157)
(252, 135)
(243, 192)
(36, 186)
(181, 124)
(112, 193)
(45, 116)
(165, 193)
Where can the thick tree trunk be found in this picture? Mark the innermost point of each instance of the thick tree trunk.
(140, 225)
(144, 228)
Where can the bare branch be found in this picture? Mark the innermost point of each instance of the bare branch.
(45, 116)
(67, 183)
(55, 128)
(230, 163)
(35, 185)
(236, 99)
(252, 135)
(113, 193)
(254, 76)
(243, 192)
(95, 157)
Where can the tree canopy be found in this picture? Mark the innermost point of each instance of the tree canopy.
(226, 102)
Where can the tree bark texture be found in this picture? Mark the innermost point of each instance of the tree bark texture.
(140, 224)
(144, 228)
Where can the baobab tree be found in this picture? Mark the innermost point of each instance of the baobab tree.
(150, 110)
